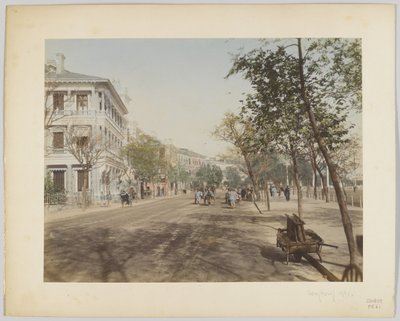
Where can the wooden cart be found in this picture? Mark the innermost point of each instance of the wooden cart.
(296, 241)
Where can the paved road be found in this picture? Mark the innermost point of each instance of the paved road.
(169, 240)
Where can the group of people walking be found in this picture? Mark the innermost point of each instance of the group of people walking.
(207, 196)
(127, 198)
(233, 196)
(286, 191)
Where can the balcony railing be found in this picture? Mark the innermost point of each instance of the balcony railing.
(86, 112)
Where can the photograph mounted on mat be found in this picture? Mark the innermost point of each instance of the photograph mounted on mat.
(178, 165)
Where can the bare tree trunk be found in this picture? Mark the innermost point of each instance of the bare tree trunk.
(267, 192)
(84, 188)
(253, 178)
(346, 221)
(314, 168)
(323, 179)
(315, 185)
(325, 189)
(297, 183)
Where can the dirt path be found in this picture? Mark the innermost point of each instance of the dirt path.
(173, 240)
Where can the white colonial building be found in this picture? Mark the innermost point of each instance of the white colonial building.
(190, 161)
(92, 106)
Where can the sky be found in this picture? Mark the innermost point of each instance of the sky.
(178, 87)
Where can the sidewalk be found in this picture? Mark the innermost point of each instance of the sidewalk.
(324, 219)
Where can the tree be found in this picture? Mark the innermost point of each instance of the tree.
(318, 166)
(178, 174)
(240, 133)
(324, 84)
(273, 108)
(232, 175)
(209, 174)
(87, 148)
(143, 154)
(348, 159)
(340, 88)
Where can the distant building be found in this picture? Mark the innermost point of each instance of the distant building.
(92, 105)
(190, 161)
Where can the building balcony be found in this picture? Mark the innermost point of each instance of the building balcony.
(61, 113)
(111, 152)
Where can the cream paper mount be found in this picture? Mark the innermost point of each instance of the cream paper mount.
(28, 27)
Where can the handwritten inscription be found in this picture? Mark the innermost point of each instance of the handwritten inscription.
(330, 296)
(374, 304)
(336, 296)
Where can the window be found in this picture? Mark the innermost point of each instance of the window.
(58, 180)
(100, 102)
(81, 176)
(58, 140)
(82, 141)
(107, 104)
(58, 101)
(81, 101)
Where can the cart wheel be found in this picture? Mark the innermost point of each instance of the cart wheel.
(297, 257)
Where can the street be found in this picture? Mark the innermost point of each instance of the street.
(174, 240)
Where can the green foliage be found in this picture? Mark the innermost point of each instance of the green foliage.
(305, 171)
(275, 108)
(143, 154)
(49, 187)
(178, 174)
(238, 131)
(348, 157)
(52, 194)
(233, 178)
(209, 174)
(48, 184)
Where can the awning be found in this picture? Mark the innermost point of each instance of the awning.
(55, 168)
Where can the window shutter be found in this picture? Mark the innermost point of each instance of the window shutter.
(58, 101)
(58, 180)
(58, 140)
(80, 180)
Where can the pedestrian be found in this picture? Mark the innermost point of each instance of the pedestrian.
(232, 197)
(211, 196)
(102, 199)
(198, 196)
(243, 193)
(207, 196)
(287, 193)
(124, 198)
(132, 195)
(108, 196)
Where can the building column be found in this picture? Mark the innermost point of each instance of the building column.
(69, 182)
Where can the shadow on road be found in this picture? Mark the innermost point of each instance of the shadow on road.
(273, 253)
(238, 218)
(94, 255)
(201, 245)
(163, 252)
